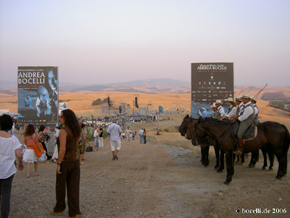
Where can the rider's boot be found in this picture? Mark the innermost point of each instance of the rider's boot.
(240, 147)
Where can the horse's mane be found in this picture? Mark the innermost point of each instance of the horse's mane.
(215, 121)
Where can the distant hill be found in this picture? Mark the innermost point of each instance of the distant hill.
(273, 96)
(8, 91)
(157, 82)
(152, 86)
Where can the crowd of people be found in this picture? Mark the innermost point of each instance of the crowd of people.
(67, 155)
(71, 141)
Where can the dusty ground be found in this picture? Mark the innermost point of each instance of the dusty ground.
(154, 180)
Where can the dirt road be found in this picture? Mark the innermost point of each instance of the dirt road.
(154, 181)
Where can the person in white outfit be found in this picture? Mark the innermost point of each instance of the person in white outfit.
(128, 134)
(141, 132)
(114, 130)
(55, 153)
(96, 137)
(9, 148)
(232, 110)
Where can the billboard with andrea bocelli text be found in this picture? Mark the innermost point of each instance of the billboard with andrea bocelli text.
(210, 82)
(37, 95)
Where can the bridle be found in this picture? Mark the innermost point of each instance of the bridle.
(216, 138)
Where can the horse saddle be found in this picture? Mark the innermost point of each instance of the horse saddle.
(250, 133)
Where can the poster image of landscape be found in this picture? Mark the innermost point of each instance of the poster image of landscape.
(210, 82)
(37, 95)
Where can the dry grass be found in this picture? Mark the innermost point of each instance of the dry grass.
(81, 103)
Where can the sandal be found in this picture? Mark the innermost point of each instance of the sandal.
(57, 213)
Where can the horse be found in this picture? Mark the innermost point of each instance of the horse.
(187, 120)
(220, 156)
(271, 135)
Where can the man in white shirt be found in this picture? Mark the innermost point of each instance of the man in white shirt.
(240, 105)
(141, 131)
(214, 109)
(220, 110)
(246, 119)
(114, 130)
(231, 110)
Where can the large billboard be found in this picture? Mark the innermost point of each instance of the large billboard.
(210, 82)
(37, 95)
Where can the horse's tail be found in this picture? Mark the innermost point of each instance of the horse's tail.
(286, 141)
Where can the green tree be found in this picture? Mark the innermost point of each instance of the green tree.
(277, 104)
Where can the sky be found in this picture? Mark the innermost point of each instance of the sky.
(108, 41)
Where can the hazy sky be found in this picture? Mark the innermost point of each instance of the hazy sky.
(103, 41)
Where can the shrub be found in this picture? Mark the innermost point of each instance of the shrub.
(105, 134)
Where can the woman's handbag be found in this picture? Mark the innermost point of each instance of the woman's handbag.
(37, 150)
(89, 149)
(42, 158)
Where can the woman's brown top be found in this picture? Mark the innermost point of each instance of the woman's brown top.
(72, 152)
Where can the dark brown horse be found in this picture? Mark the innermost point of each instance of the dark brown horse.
(271, 135)
(187, 120)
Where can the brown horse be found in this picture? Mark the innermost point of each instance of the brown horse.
(187, 120)
(271, 135)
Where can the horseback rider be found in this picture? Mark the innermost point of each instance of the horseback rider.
(220, 110)
(246, 119)
(254, 101)
(239, 106)
(231, 110)
(214, 109)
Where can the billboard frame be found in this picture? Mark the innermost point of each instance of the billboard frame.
(38, 95)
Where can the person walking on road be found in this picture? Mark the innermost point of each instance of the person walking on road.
(30, 138)
(144, 136)
(128, 133)
(141, 132)
(133, 135)
(114, 130)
